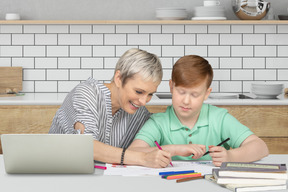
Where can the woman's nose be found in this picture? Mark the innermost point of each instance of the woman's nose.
(143, 100)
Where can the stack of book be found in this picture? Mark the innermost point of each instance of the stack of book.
(240, 177)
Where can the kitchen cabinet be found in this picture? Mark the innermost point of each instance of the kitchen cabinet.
(269, 122)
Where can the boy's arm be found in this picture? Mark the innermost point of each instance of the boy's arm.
(251, 149)
(181, 150)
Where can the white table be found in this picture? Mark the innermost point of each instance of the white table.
(97, 182)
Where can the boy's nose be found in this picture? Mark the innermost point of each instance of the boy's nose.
(186, 99)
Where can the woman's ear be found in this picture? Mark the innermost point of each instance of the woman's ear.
(117, 79)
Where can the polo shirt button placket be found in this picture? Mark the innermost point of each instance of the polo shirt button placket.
(190, 135)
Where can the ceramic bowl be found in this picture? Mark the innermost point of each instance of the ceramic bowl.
(283, 17)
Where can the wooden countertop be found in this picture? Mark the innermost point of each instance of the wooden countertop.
(227, 22)
(57, 99)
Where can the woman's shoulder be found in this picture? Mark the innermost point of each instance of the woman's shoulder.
(93, 86)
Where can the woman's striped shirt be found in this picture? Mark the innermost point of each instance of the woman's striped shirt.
(90, 104)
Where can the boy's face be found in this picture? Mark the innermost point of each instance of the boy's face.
(187, 102)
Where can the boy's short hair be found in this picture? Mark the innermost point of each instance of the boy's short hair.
(137, 61)
(191, 70)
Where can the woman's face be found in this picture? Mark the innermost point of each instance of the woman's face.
(135, 93)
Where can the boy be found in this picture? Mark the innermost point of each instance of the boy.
(188, 128)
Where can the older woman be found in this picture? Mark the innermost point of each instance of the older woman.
(114, 112)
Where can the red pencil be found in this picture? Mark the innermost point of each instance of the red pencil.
(159, 147)
(100, 167)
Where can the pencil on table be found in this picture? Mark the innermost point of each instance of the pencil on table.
(189, 179)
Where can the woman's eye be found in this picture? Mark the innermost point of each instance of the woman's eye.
(138, 92)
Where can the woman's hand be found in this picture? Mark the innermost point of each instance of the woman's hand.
(219, 154)
(79, 126)
(157, 159)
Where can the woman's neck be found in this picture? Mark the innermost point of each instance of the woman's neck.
(114, 97)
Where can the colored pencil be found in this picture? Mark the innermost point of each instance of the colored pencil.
(159, 147)
(165, 176)
(183, 176)
(176, 172)
(189, 179)
(218, 145)
(100, 167)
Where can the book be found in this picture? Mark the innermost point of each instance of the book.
(245, 187)
(246, 180)
(253, 170)
(241, 188)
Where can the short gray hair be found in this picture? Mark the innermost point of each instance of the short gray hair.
(139, 61)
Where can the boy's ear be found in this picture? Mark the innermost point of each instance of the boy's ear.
(117, 79)
(171, 85)
(208, 93)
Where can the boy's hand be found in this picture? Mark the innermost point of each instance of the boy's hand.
(190, 149)
(219, 154)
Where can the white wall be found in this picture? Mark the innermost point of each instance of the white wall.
(108, 9)
(57, 57)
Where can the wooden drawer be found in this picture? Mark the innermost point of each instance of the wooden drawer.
(268, 122)
(263, 120)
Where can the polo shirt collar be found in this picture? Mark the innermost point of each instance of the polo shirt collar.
(201, 122)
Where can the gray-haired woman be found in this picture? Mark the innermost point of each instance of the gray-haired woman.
(114, 112)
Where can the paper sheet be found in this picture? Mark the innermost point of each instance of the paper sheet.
(203, 167)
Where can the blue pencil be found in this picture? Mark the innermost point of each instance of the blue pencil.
(176, 172)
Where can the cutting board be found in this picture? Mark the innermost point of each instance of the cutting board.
(10, 77)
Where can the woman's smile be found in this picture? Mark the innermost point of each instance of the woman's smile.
(134, 106)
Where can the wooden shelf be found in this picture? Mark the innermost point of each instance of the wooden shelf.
(184, 22)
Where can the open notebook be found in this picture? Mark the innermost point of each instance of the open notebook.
(47, 153)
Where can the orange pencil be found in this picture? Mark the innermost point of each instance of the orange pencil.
(183, 176)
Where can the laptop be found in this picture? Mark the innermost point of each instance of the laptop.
(48, 153)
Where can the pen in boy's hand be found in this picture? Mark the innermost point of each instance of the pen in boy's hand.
(218, 145)
(159, 147)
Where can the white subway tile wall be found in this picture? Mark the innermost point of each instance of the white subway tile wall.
(56, 57)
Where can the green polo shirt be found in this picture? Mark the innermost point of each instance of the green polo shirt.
(213, 126)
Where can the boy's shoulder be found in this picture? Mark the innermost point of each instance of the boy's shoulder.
(162, 115)
(214, 111)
